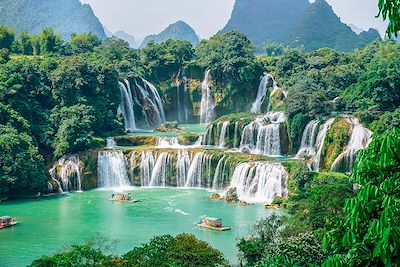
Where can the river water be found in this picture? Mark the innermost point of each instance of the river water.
(49, 225)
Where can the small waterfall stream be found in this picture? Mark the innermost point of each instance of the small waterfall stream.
(155, 97)
(224, 134)
(126, 106)
(69, 174)
(112, 170)
(266, 82)
(360, 139)
(308, 140)
(111, 144)
(319, 144)
(207, 101)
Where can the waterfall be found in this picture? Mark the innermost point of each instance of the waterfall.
(218, 182)
(53, 175)
(69, 167)
(319, 144)
(207, 101)
(263, 135)
(308, 140)
(181, 98)
(199, 170)
(259, 182)
(112, 170)
(160, 170)
(126, 106)
(360, 139)
(111, 144)
(163, 142)
(146, 167)
(266, 82)
(182, 167)
(224, 134)
(157, 99)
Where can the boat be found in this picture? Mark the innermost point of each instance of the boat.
(7, 221)
(122, 198)
(213, 224)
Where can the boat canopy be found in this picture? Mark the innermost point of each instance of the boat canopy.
(4, 218)
(212, 219)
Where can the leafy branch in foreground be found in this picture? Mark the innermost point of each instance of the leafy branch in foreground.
(369, 235)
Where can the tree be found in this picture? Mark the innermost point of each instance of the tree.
(22, 170)
(369, 234)
(182, 250)
(25, 43)
(7, 37)
(82, 43)
(390, 9)
(73, 129)
(49, 42)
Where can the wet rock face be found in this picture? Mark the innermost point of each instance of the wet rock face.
(215, 196)
(231, 195)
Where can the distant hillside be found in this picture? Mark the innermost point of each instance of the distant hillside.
(177, 31)
(127, 37)
(295, 23)
(266, 20)
(64, 16)
(321, 27)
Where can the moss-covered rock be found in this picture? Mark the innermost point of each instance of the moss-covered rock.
(187, 139)
(127, 140)
(88, 167)
(337, 138)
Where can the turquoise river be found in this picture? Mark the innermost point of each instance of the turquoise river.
(50, 224)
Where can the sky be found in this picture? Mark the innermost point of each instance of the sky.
(143, 17)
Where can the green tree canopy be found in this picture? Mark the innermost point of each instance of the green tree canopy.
(369, 234)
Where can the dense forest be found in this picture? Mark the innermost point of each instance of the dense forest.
(59, 98)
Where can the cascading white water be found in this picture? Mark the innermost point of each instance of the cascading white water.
(266, 81)
(112, 170)
(126, 106)
(224, 134)
(182, 112)
(53, 175)
(163, 142)
(207, 101)
(150, 103)
(160, 170)
(70, 166)
(146, 167)
(259, 182)
(308, 140)
(111, 144)
(195, 171)
(263, 135)
(360, 139)
(157, 99)
(219, 175)
(319, 144)
(182, 167)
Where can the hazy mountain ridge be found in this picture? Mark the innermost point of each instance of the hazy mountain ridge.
(176, 31)
(303, 24)
(321, 27)
(266, 20)
(64, 16)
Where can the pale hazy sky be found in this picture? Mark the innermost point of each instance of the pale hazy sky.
(143, 17)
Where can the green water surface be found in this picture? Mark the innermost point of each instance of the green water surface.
(48, 225)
